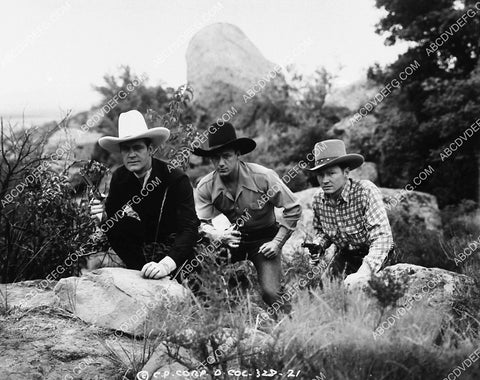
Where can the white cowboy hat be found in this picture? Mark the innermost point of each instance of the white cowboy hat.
(132, 126)
(329, 153)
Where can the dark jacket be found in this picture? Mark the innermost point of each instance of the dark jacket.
(178, 215)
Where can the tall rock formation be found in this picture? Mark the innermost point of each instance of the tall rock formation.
(222, 65)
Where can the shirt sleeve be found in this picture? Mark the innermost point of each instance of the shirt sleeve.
(284, 198)
(378, 228)
(321, 238)
(206, 211)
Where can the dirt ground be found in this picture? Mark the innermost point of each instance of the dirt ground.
(39, 341)
(43, 344)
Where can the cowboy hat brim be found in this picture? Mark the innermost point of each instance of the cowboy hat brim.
(351, 160)
(243, 144)
(157, 135)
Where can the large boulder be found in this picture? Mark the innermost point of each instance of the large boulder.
(438, 287)
(222, 65)
(354, 133)
(118, 299)
(419, 208)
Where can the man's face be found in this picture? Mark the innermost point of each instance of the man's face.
(225, 162)
(332, 179)
(136, 155)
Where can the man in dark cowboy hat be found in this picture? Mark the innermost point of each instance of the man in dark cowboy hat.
(246, 194)
(148, 205)
(349, 214)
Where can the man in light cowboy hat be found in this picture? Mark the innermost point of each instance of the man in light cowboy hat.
(148, 205)
(349, 214)
(246, 194)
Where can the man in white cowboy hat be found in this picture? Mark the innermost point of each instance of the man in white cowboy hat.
(246, 194)
(151, 221)
(349, 214)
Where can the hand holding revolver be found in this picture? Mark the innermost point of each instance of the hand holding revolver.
(314, 250)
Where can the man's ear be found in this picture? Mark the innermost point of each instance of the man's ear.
(152, 149)
(346, 171)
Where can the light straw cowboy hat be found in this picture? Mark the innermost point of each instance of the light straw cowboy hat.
(132, 126)
(224, 136)
(329, 153)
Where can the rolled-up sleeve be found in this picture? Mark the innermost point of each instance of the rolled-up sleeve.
(284, 198)
(206, 211)
(378, 228)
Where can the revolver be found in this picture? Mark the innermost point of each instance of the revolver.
(314, 250)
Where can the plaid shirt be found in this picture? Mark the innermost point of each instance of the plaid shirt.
(356, 219)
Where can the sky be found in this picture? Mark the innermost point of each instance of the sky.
(53, 52)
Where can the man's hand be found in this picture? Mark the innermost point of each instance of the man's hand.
(314, 251)
(155, 270)
(96, 209)
(229, 237)
(270, 249)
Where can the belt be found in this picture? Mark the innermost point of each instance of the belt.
(259, 233)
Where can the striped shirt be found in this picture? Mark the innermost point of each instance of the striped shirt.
(356, 219)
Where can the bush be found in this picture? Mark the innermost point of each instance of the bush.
(40, 221)
(42, 227)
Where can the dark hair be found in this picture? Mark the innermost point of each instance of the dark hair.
(147, 141)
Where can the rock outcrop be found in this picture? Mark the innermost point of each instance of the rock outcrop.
(353, 131)
(440, 288)
(419, 207)
(118, 299)
(222, 65)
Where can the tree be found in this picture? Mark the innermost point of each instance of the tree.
(437, 103)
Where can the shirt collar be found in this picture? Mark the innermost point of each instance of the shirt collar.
(344, 194)
(244, 180)
(145, 177)
(245, 177)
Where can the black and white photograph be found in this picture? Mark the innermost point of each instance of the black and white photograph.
(240, 189)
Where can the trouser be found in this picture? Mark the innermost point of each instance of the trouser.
(348, 261)
(269, 270)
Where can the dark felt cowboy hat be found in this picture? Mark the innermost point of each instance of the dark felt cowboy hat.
(224, 136)
(329, 153)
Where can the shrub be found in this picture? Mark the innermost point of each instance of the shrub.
(43, 226)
